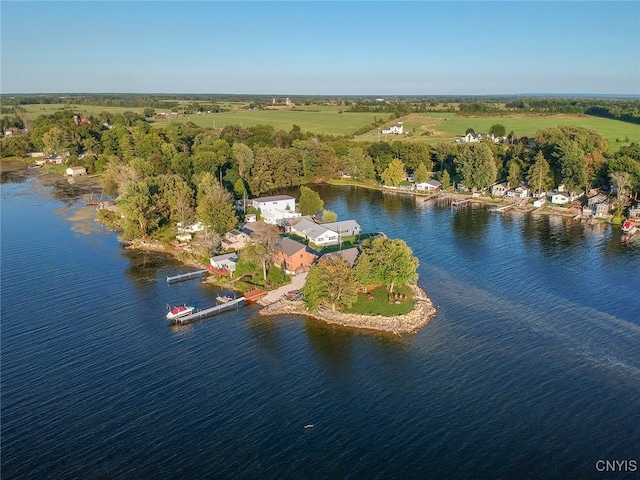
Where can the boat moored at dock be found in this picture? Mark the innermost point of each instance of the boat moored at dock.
(179, 311)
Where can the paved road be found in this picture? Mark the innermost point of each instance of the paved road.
(297, 282)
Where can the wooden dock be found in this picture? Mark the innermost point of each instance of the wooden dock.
(501, 209)
(457, 203)
(208, 312)
(186, 276)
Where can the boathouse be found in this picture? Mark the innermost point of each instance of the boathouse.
(76, 171)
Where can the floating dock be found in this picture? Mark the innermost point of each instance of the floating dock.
(235, 303)
(186, 276)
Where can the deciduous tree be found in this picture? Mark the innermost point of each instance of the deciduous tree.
(215, 205)
(330, 281)
(310, 201)
(392, 261)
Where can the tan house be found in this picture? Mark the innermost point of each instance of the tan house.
(235, 240)
(294, 256)
(76, 171)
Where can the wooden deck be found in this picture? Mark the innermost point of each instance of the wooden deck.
(256, 294)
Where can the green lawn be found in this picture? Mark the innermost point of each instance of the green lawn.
(379, 304)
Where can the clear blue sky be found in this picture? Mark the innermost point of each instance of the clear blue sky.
(314, 48)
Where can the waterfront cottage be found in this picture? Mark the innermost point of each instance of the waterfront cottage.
(430, 186)
(560, 198)
(294, 256)
(518, 192)
(316, 233)
(225, 262)
(344, 228)
(76, 171)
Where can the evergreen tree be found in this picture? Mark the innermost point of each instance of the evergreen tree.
(394, 173)
(477, 167)
(421, 174)
(539, 176)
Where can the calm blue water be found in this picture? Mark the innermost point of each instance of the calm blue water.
(530, 369)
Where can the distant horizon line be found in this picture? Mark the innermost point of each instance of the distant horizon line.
(337, 95)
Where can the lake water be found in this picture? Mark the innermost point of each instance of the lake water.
(530, 369)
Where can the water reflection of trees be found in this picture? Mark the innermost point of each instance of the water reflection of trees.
(552, 232)
(470, 222)
(143, 267)
(332, 345)
(335, 346)
(12, 177)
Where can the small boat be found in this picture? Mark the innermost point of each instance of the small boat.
(628, 227)
(224, 298)
(179, 311)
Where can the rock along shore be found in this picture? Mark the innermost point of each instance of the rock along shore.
(423, 311)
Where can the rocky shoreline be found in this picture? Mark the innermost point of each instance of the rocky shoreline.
(411, 322)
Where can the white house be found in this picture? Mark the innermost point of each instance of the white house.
(277, 202)
(477, 137)
(344, 228)
(518, 192)
(193, 228)
(430, 186)
(276, 208)
(275, 217)
(397, 129)
(225, 262)
(315, 232)
(560, 198)
(539, 202)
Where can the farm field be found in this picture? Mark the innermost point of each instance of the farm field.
(48, 109)
(315, 119)
(448, 127)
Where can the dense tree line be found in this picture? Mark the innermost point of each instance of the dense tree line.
(185, 162)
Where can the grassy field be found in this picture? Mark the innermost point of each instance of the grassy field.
(48, 109)
(319, 120)
(447, 127)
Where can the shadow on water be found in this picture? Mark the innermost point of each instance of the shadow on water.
(144, 266)
(12, 177)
